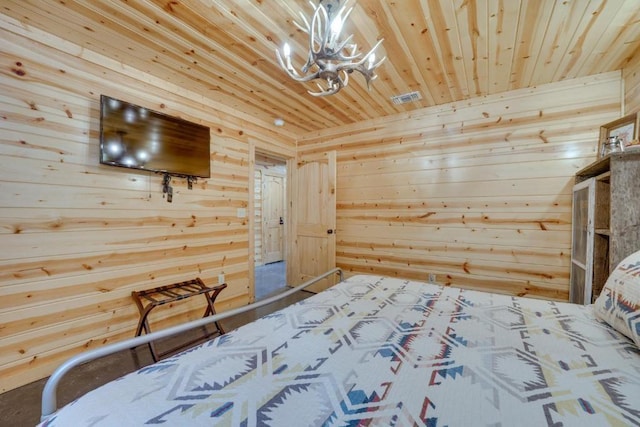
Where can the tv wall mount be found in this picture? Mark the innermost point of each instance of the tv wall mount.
(167, 189)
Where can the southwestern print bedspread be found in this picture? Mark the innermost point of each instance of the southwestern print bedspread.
(390, 352)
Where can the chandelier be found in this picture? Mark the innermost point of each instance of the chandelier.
(331, 57)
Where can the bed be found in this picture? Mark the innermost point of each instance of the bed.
(385, 351)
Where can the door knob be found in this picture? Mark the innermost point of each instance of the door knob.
(281, 220)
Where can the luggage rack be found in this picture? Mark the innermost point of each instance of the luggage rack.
(148, 299)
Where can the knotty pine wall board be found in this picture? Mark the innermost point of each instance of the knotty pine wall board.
(79, 236)
(631, 75)
(482, 116)
(477, 192)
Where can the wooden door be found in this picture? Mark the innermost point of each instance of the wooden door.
(313, 220)
(273, 192)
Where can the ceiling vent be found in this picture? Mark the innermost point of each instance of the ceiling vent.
(405, 98)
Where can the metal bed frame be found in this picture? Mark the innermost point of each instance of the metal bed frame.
(49, 393)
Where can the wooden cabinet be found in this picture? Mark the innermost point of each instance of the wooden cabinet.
(606, 221)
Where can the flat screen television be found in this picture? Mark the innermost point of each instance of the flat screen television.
(136, 137)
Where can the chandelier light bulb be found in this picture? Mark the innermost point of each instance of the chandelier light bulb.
(336, 28)
(331, 56)
(371, 61)
(287, 55)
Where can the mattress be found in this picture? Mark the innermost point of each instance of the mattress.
(383, 351)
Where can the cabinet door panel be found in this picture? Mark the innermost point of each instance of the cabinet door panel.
(582, 242)
(578, 276)
(580, 225)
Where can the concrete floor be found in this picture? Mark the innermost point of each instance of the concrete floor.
(21, 407)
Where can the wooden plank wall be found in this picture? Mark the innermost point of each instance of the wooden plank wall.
(631, 76)
(78, 237)
(476, 192)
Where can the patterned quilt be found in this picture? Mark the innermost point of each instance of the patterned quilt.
(379, 351)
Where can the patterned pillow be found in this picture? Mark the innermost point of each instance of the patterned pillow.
(619, 302)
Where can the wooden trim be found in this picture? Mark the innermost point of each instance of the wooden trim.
(251, 222)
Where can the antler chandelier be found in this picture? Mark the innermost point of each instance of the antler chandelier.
(331, 58)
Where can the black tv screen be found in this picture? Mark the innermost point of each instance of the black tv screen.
(136, 137)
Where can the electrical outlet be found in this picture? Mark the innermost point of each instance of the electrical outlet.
(432, 278)
(220, 278)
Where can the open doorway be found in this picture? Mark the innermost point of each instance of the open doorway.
(270, 215)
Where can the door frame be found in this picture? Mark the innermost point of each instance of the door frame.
(251, 209)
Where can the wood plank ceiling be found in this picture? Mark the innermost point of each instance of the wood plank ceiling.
(448, 50)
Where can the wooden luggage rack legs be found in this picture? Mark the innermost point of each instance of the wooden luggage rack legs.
(148, 299)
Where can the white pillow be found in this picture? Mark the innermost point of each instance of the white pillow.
(619, 302)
